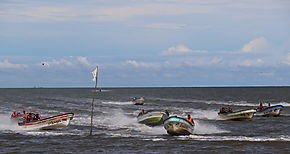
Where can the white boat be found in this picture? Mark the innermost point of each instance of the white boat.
(238, 115)
(153, 117)
(270, 111)
(138, 100)
(57, 121)
(178, 126)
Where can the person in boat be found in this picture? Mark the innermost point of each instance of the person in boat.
(36, 117)
(141, 112)
(14, 115)
(222, 110)
(28, 118)
(229, 109)
(189, 119)
(261, 106)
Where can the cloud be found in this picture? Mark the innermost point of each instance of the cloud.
(256, 45)
(180, 49)
(250, 63)
(77, 12)
(136, 64)
(7, 65)
(59, 63)
(84, 61)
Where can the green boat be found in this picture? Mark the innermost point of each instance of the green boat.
(153, 117)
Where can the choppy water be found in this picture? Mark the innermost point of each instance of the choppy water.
(116, 129)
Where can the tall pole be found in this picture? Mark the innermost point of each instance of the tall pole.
(95, 77)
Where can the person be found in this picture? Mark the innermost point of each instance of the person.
(230, 109)
(269, 105)
(36, 117)
(189, 119)
(14, 115)
(141, 112)
(222, 110)
(261, 106)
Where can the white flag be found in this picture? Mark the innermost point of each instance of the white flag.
(95, 74)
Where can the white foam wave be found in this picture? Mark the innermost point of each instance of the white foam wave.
(7, 123)
(119, 120)
(118, 103)
(206, 128)
(236, 138)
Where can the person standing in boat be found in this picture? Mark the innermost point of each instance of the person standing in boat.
(14, 115)
(141, 112)
(189, 119)
(261, 106)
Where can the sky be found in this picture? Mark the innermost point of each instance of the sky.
(144, 43)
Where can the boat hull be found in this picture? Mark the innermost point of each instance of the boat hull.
(178, 126)
(153, 118)
(270, 111)
(239, 115)
(48, 123)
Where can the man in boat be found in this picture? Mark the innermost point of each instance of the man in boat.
(261, 106)
(36, 117)
(222, 110)
(141, 112)
(230, 109)
(189, 119)
(14, 115)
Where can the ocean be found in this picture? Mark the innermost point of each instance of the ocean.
(116, 130)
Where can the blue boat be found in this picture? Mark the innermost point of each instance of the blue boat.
(270, 111)
(178, 126)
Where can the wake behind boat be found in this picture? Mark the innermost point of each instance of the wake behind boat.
(178, 126)
(270, 111)
(238, 115)
(152, 117)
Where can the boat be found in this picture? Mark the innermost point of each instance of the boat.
(152, 117)
(138, 100)
(270, 111)
(178, 126)
(53, 122)
(238, 115)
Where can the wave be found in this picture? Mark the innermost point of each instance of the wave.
(117, 103)
(236, 138)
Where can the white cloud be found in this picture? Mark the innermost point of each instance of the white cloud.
(59, 63)
(134, 63)
(7, 65)
(256, 45)
(84, 61)
(250, 63)
(40, 12)
(180, 49)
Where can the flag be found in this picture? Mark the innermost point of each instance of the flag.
(95, 74)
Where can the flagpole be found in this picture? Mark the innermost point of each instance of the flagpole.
(94, 91)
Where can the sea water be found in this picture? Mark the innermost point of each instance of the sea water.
(116, 130)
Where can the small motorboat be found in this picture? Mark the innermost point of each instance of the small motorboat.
(152, 117)
(57, 121)
(238, 115)
(138, 100)
(178, 126)
(270, 111)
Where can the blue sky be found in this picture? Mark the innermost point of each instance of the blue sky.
(144, 42)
